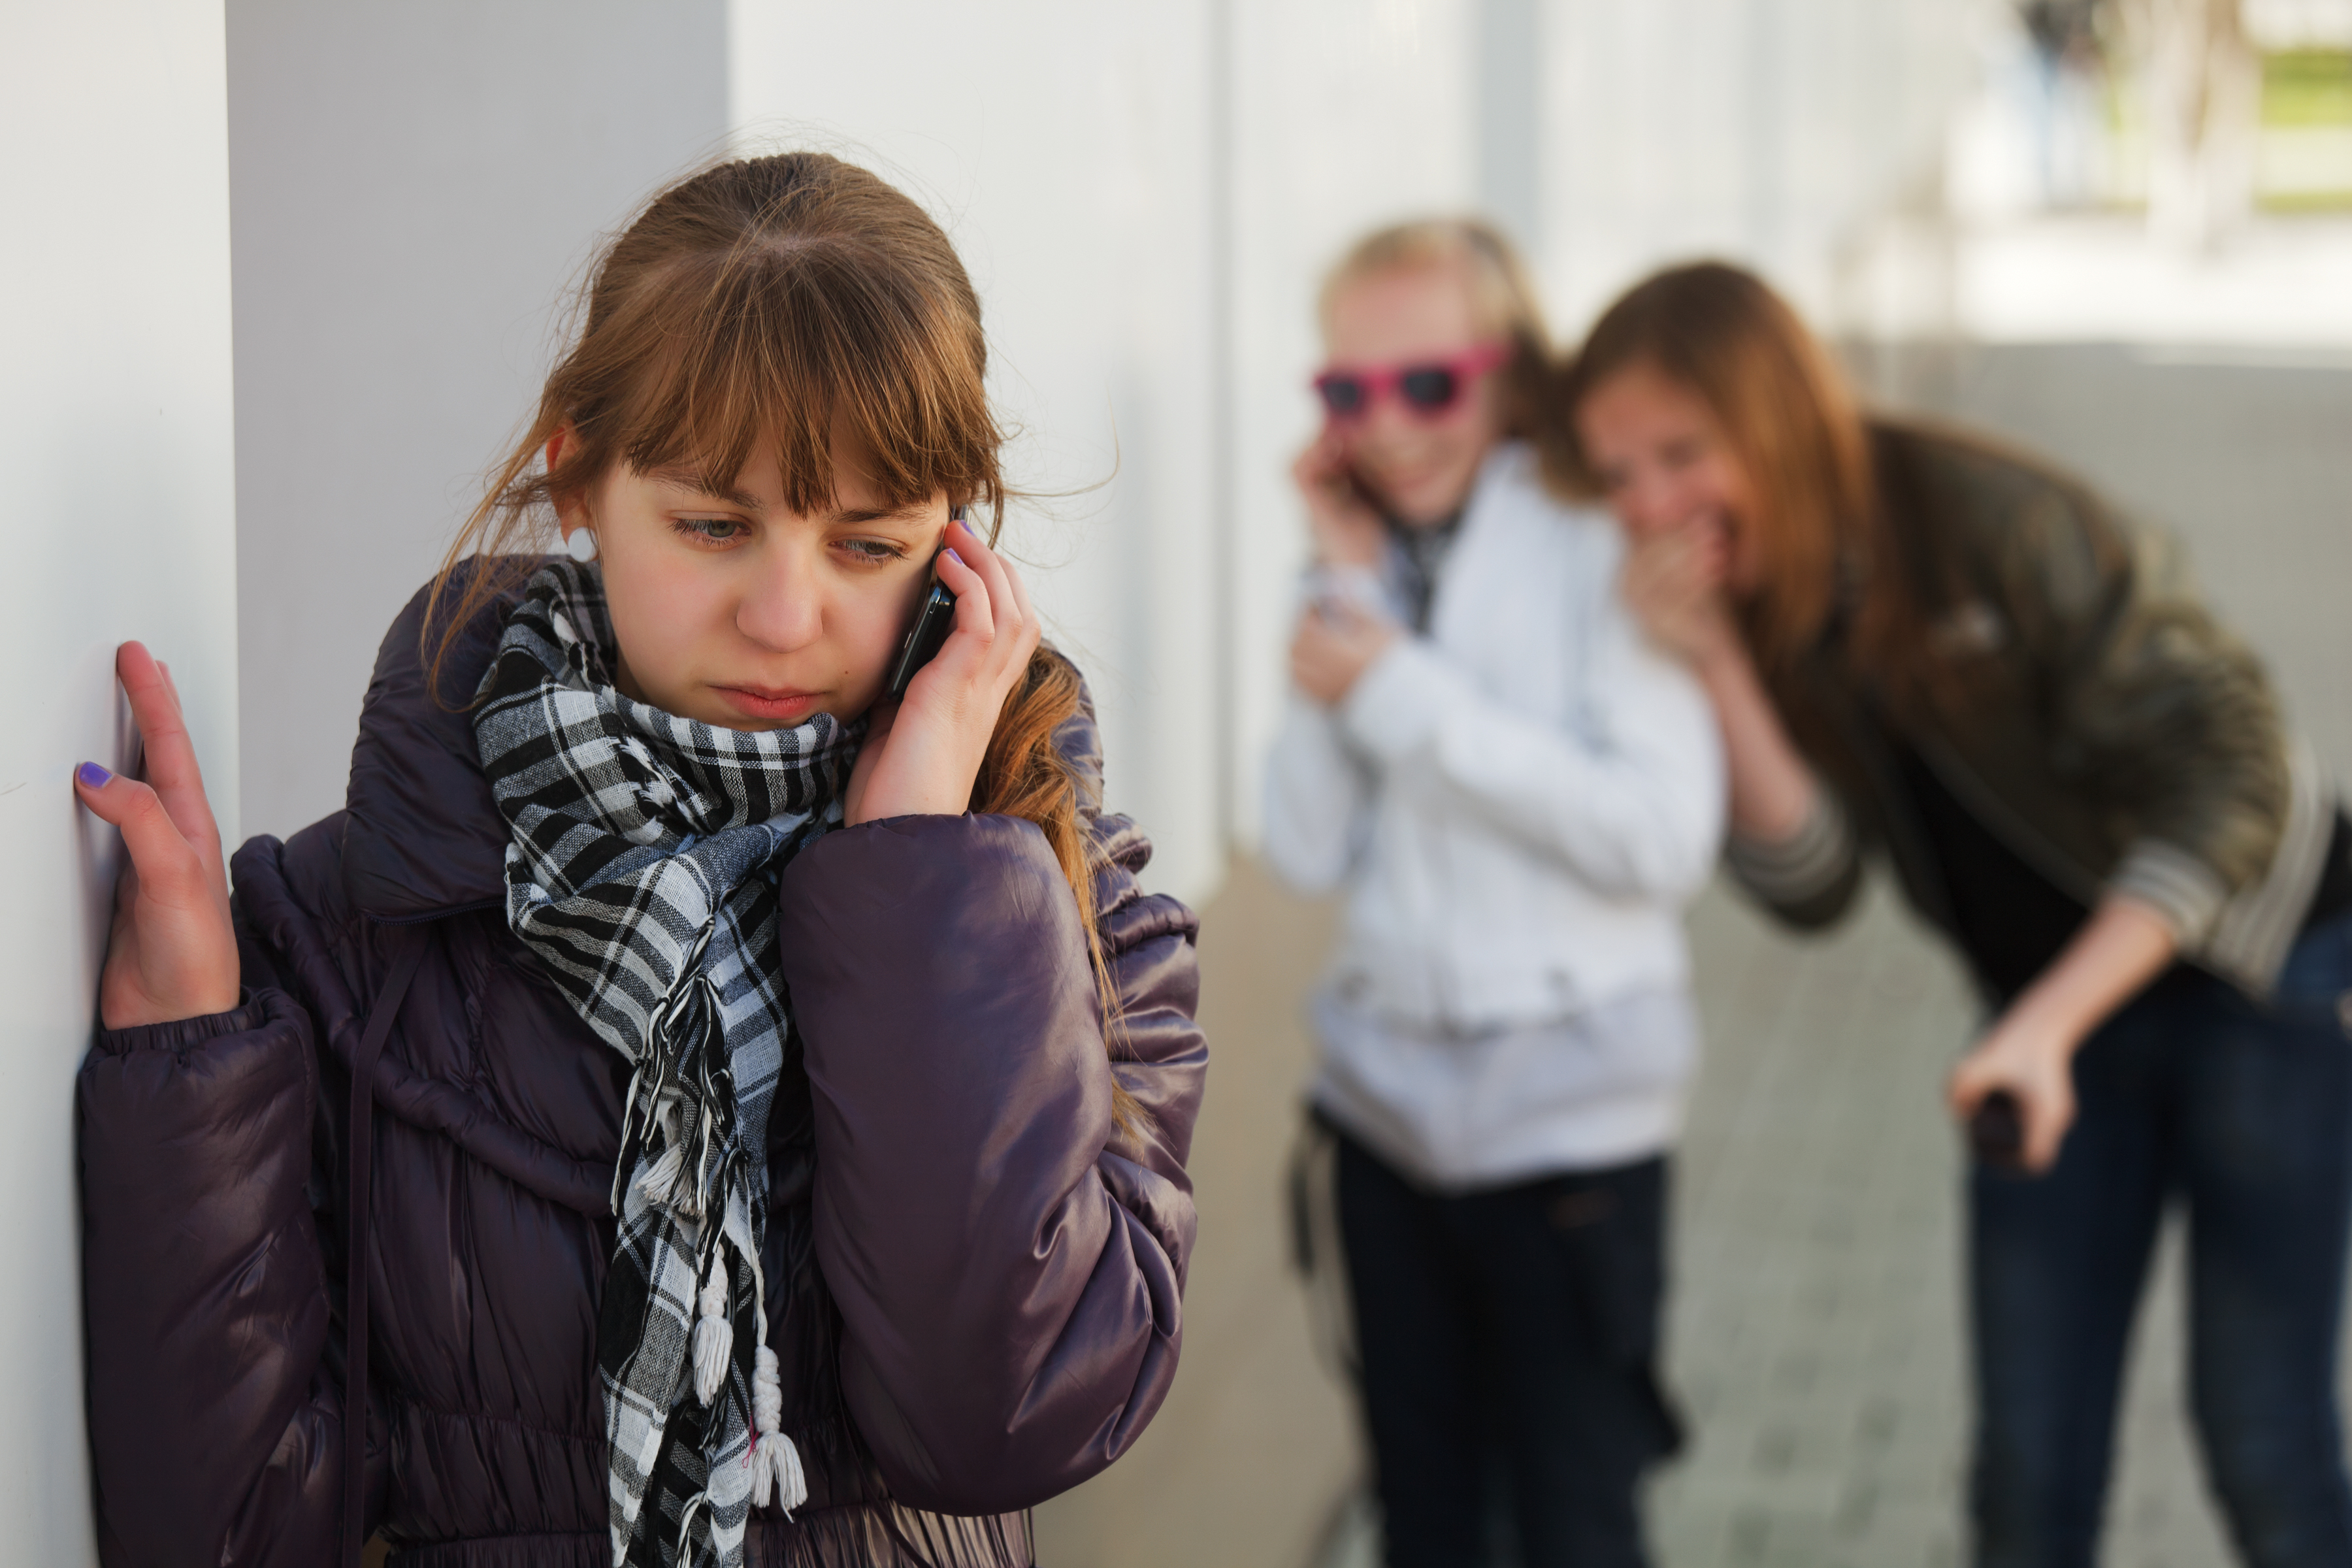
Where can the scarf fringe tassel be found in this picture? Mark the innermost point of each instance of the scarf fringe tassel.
(776, 1474)
(775, 1463)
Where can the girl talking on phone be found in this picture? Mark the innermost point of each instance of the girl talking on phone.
(1517, 798)
(692, 1106)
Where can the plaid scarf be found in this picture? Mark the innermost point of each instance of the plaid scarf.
(642, 870)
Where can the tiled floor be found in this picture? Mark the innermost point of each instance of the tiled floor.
(1815, 1323)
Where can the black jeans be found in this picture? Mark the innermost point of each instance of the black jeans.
(2244, 1114)
(1514, 1329)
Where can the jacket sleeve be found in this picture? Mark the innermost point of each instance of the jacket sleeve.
(214, 1425)
(1629, 795)
(1008, 1262)
(2159, 712)
(1318, 800)
(1808, 879)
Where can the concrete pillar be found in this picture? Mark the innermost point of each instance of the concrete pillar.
(415, 187)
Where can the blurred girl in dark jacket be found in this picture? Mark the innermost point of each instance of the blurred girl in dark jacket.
(784, 1086)
(1917, 642)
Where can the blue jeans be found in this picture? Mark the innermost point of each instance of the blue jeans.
(2244, 1113)
(1518, 1324)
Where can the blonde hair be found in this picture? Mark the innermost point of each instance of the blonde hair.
(1502, 296)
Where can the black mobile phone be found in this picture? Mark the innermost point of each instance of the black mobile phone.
(934, 618)
(1996, 1132)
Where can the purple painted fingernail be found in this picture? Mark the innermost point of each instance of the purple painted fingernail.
(954, 557)
(965, 524)
(94, 776)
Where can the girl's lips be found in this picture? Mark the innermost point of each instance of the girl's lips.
(753, 702)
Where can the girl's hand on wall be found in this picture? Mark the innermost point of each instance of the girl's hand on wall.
(1347, 531)
(1335, 643)
(1672, 581)
(922, 754)
(2031, 1060)
(173, 952)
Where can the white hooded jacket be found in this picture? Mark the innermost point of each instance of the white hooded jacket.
(1519, 805)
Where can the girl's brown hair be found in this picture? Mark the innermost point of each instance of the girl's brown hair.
(1502, 297)
(798, 301)
(1785, 410)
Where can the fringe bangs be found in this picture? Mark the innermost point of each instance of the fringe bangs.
(803, 348)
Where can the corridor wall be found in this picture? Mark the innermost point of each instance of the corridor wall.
(1144, 195)
(1770, 131)
(115, 433)
(1067, 149)
(414, 187)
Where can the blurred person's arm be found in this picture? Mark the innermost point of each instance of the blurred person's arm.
(1318, 800)
(1630, 798)
(2167, 720)
(2029, 1052)
(2170, 720)
(1318, 792)
(1790, 843)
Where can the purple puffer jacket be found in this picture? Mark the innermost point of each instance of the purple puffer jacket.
(984, 1273)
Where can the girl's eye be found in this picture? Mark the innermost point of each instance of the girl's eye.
(711, 530)
(875, 550)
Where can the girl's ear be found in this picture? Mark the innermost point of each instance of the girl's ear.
(571, 509)
(570, 512)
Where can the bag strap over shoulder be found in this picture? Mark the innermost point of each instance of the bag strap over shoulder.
(408, 943)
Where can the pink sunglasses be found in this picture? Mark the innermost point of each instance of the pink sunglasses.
(1429, 387)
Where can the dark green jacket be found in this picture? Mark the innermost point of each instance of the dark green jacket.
(2101, 722)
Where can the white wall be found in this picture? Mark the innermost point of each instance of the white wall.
(1144, 195)
(1347, 116)
(415, 186)
(1765, 131)
(115, 435)
(1066, 147)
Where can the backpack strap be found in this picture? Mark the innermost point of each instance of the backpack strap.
(408, 943)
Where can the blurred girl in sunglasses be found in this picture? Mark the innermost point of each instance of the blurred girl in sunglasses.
(1517, 798)
(1924, 646)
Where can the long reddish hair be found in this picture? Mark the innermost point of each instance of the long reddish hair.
(1721, 332)
(788, 299)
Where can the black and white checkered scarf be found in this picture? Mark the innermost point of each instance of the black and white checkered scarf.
(642, 870)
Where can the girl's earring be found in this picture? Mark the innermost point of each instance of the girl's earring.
(581, 545)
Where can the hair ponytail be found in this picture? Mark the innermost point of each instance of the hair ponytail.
(1025, 774)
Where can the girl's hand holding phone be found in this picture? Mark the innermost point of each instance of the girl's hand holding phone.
(172, 950)
(1347, 531)
(2027, 1058)
(2028, 1055)
(922, 752)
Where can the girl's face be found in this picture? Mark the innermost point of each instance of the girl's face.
(732, 609)
(1663, 463)
(1421, 466)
